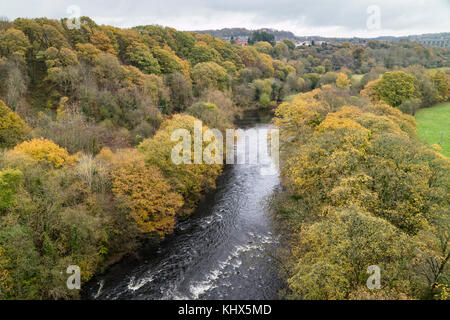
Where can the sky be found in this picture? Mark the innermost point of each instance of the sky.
(329, 18)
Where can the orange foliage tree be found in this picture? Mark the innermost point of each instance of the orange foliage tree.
(151, 199)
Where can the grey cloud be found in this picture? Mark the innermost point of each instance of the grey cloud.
(328, 17)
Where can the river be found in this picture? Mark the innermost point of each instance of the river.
(224, 251)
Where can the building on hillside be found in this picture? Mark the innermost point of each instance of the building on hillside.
(444, 43)
(241, 41)
(303, 43)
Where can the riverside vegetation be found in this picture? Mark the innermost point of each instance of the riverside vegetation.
(361, 189)
(85, 173)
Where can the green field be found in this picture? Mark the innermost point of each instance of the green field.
(290, 97)
(357, 77)
(434, 126)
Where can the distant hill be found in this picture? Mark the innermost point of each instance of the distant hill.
(431, 39)
(227, 33)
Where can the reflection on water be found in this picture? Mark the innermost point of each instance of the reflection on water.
(222, 252)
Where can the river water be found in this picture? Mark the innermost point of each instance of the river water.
(224, 251)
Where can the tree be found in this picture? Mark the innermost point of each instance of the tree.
(12, 128)
(101, 41)
(14, 41)
(281, 50)
(189, 180)
(410, 106)
(354, 175)
(209, 114)
(289, 43)
(87, 52)
(328, 65)
(266, 65)
(319, 69)
(396, 87)
(15, 83)
(45, 151)
(141, 57)
(209, 75)
(342, 81)
(180, 88)
(200, 53)
(358, 54)
(263, 47)
(332, 256)
(442, 83)
(10, 180)
(264, 100)
(167, 60)
(151, 199)
(261, 36)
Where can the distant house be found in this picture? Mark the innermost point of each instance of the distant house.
(241, 41)
(303, 43)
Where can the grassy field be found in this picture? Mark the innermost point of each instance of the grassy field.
(357, 76)
(290, 98)
(434, 126)
(445, 69)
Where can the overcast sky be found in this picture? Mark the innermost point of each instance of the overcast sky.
(331, 18)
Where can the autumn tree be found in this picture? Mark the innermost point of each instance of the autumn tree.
(187, 179)
(342, 81)
(333, 255)
(14, 41)
(209, 75)
(364, 163)
(140, 56)
(45, 151)
(151, 199)
(442, 83)
(396, 87)
(12, 128)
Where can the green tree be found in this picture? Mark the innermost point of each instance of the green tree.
(10, 180)
(396, 87)
(167, 60)
(262, 36)
(200, 53)
(141, 57)
(14, 41)
(209, 75)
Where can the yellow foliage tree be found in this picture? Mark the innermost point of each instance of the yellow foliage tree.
(12, 128)
(342, 81)
(190, 180)
(46, 151)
